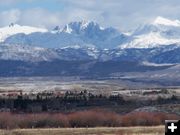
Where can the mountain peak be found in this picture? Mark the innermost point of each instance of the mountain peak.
(164, 21)
(77, 27)
(84, 23)
(57, 28)
(161, 32)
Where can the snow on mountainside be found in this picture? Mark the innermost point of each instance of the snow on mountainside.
(163, 21)
(37, 54)
(160, 32)
(166, 54)
(75, 33)
(82, 27)
(26, 53)
(158, 42)
(13, 29)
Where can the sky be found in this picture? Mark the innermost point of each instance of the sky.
(121, 14)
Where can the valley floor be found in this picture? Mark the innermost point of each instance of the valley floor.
(158, 130)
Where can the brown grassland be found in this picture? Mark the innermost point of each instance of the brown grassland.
(158, 130)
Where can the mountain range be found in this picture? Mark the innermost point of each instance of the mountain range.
(160, 32)
(90, 46)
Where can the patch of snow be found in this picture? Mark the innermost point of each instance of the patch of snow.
(73, 47)
(149, 40)
(67, 29)
(156, 65)
(163, 21)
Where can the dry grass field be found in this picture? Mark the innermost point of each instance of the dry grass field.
(159, 130)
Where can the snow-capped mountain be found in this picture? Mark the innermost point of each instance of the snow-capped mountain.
(84, 41)
(76, 33)
(87, 49)
(14, 29)
(160, 32)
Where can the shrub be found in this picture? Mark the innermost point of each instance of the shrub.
(146, 118)
(91, 118)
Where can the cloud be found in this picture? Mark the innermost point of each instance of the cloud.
(8, 2)
(126, 13)
(7, 17)
(11, 2)
(123, 14)
(33, 17)
(39, 17)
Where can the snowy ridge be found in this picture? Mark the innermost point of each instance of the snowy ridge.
(13, 29)
(76, 33)
(159, 33)
(77, 27)
(149, 40)
(26, 53)
(155, 64)
(163, 21)
(162, 55)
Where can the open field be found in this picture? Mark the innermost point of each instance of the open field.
(34, 84)
(159, 130)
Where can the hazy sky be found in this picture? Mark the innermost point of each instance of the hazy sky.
(122, 14)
